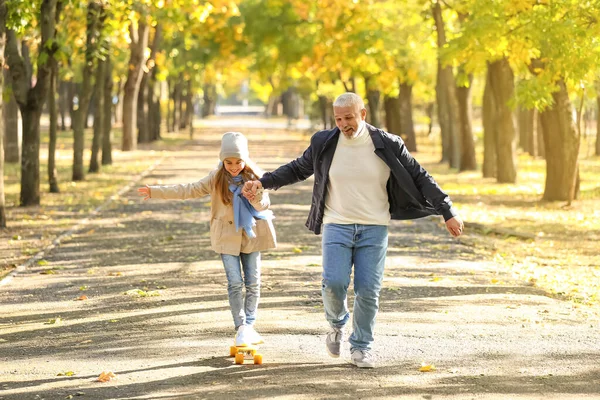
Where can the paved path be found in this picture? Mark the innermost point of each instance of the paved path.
(488, 335)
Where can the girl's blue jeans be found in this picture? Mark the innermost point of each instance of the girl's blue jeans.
(243, 271)
(364, 247)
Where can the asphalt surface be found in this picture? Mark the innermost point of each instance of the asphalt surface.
(484, 334)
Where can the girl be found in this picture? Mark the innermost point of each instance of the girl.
(239, 229)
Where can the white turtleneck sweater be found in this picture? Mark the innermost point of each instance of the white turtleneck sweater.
(356, 191)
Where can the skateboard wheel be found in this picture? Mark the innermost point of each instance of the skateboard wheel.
(258, 359)
(232, 351)
(239, 358)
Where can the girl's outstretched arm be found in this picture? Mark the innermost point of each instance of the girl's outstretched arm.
(184, 191)
(146, 192)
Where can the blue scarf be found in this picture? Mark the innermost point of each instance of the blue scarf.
(243, 212)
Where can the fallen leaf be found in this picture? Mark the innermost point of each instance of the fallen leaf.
(142, 293)
(48, 272)
(52, 321)
(82, 297)
(115, 274)
(106, 376)
(68, 373)
(427, 367)
(297, 250)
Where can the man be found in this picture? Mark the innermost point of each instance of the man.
(363, 178)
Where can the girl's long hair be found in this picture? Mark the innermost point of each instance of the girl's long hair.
(222, 179)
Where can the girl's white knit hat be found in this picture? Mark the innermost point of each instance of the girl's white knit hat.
(235, 145)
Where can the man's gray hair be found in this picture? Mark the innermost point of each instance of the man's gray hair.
(349, 100)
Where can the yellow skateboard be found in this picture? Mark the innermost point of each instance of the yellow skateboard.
(246, 352)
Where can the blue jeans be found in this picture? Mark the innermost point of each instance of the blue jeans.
(365, 247)
(243, 308)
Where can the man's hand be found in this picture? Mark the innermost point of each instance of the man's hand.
(250, 188)
(455, 226)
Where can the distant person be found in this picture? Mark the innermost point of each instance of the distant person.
(363, 178)
(239, 229)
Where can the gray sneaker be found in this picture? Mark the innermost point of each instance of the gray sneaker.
(362, 358)
(334, 342)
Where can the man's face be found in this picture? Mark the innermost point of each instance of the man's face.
(348, 119)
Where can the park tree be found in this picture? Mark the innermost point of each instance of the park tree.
(95, 19)
(558, 68)
(408, 55)
(448, 111)
(53, 109)
(517, 42)
(12, 147)
(139, 28)
(278, 36)
(2, 44)
(598, 117)
(31, 98)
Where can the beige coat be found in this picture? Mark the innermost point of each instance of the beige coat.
(223, 236)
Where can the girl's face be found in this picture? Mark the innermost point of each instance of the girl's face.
(234, 165)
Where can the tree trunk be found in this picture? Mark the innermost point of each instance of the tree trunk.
(182, 102)
(12, 146)
(143, 135)
(561, 141)
(443, 116)
(490, 131)
(210, 100)
(144, 117)
(107, 114)
(325, 110)
(525, 123)
(391, 106)
(598, 121)
(139, 42)
(541, 150)
(31, 99)
(175, 114)
(169, 110)
(71, 90)
(91, 108)
(53, 131)
(99, 119)
(373, 99)
(62, 103)
(95, 18)
(502, 83)
(429, 111)
(447, 86)
(468, 161)
(189, 108)
(154, 106)
(2, 45)
(407, 127)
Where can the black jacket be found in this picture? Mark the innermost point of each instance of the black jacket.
(412, 192)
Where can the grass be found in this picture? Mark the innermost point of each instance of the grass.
(30, 229)
(549, 244)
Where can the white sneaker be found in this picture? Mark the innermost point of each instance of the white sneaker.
(242, 338)
(333, 342)
(252, 335)
(362, 358)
